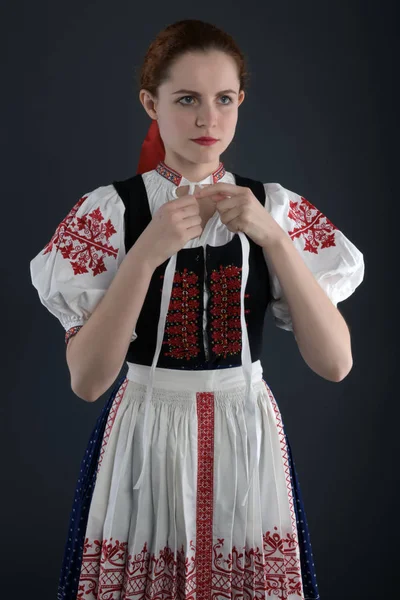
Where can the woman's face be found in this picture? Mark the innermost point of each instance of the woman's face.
(200, 99)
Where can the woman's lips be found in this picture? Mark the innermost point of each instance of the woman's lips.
(205, 142)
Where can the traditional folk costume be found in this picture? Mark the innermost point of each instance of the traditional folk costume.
(188, 489)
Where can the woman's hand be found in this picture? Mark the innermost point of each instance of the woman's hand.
(173, 224)
(240, 210)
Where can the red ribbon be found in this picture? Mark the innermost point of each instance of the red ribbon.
(152, 151)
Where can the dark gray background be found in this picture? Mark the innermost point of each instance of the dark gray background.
(319, 118)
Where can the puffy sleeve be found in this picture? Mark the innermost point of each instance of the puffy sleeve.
(75, 268)
(336, 263)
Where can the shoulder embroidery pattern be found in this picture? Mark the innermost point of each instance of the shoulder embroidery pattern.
(225, 310)
(181, 327)
(84, 240)
(317, 230)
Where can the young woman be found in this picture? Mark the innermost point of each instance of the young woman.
(188, 489)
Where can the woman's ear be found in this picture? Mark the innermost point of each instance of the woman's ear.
(149, 103)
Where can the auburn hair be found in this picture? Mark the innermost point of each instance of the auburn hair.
(189, 35)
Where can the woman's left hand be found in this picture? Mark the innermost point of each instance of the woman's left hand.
(240, 210)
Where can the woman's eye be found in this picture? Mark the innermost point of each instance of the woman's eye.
(184, 98)
(229, 98)
(189, 104)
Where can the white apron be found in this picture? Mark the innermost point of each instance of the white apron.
(185, 533)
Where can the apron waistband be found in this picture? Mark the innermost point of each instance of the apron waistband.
(194, 381)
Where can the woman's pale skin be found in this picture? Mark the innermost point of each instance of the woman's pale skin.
(207, 108)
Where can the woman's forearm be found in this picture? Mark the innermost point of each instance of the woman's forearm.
(321, 332)
(96, 354)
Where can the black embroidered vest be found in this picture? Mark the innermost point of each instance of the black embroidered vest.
(185, 344)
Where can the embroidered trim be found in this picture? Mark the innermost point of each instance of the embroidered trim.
(225, 310)
(205, 495)
(285, 458)
(108, 568)
(176, 177)
(71, 332)
(110, 420)
(316, 229)
(181, 327)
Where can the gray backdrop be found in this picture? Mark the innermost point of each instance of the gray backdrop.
(318, 118)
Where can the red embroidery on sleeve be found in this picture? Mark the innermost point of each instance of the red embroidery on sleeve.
(71, 332)
(84, 240)
(318, 231)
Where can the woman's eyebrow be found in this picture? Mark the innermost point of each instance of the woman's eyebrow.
(192, 92)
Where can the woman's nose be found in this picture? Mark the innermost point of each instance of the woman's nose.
(207, 116)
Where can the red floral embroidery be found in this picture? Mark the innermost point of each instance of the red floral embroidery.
(181, 325)
(225, 309)
(316, 229)
(108, 568)
(84, 240)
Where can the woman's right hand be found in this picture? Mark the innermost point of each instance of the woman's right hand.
(172, 226)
